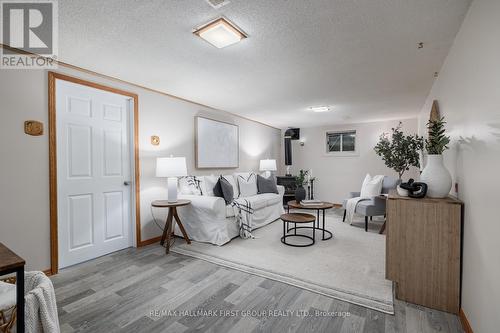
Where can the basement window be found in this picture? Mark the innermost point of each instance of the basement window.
(341, 143)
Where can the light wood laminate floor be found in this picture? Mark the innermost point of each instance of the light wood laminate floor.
(144, 290)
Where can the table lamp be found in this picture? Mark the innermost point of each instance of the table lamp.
(171, 168)
(267, 166)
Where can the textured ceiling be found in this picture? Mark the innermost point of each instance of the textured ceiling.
(360, 56)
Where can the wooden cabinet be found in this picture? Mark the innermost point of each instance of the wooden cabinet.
(423, 250)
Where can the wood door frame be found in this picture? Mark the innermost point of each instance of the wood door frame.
(52, 77)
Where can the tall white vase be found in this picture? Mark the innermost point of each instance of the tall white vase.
(437, 177)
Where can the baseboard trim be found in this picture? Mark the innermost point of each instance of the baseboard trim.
(465, 322)
(149, 241)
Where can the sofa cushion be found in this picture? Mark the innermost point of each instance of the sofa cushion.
(273, 199)
(266, 185)
(260, 201)
(256, 201)
(247, 185)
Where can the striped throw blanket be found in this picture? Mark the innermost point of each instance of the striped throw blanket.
(243, 212)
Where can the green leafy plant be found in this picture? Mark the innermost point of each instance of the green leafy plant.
(437, 142)
(301, 178)
(400, 151)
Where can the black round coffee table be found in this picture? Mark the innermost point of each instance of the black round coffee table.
(297, 218)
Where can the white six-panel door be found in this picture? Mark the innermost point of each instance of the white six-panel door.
(93, 172)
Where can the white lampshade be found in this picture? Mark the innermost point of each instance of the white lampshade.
(268, 165)
(171, 167)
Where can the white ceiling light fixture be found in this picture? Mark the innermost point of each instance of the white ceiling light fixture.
(319, 108)
(220, 33)
(216, 4)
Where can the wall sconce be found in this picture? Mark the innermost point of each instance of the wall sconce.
(33, 127)
(155, 140)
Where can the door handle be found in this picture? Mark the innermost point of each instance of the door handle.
(126, 183)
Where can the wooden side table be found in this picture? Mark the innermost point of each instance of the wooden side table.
(319, 207)
(172, 214)
(297, 218)
(12, 263)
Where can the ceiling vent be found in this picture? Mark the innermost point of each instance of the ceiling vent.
(217, 3)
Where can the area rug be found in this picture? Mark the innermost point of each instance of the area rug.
(350, 266)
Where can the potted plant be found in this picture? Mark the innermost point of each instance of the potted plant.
(400, 152)
(435, 174)
(301, 180)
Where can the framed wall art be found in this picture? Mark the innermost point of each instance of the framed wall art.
(216, 144)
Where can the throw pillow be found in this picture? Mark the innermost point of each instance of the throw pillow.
(228, 180)
(266, 185)
(208, 184)
(248, 186)
(190, 185)
(232, 180)
(224, 189)
(372, 186)
(217, 191)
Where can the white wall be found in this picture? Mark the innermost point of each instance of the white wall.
(24, 183)
(336, 176)
(468, 91)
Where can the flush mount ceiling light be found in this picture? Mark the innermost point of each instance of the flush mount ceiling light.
(319, 108)
(220, 33)
(217, 4)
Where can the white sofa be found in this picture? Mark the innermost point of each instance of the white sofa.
(208, 218)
